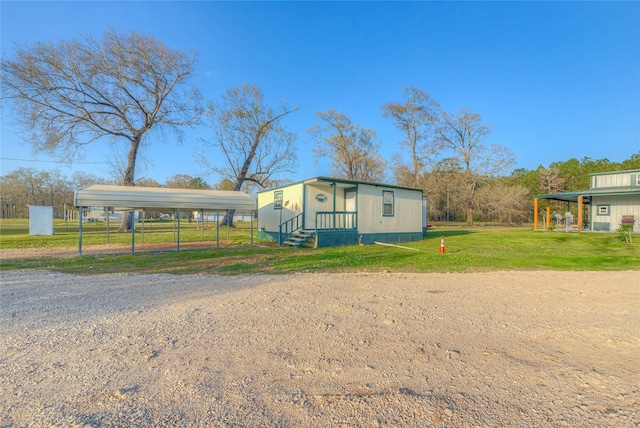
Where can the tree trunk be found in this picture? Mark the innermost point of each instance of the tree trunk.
(129, 174)
(228, 218)
(469, 216)
(470, 198)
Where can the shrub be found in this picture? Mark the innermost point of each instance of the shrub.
(624, 233)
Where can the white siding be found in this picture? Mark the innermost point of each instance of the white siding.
(614, 179)
(320, 197)
(269, 217)
(618, 206)
(313, 205)
(407, 215)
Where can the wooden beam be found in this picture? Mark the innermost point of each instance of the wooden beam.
(548, 219)
(580, 208)
(535, 213)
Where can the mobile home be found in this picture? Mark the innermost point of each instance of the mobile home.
(341, 212)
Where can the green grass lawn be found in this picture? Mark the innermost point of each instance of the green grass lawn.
(15, 233)
(467, 250)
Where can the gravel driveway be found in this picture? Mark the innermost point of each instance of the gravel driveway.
(523, 349)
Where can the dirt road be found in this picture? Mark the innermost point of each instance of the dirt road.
(320, 350)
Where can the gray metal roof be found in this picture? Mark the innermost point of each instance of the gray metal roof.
(127, 197)
(573, 196)
(339, 182)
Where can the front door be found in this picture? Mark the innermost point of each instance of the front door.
(350, 207)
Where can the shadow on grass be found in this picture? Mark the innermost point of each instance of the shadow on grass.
(437, 234)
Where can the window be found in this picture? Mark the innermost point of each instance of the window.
(277, 200)
(387, 203)
(637, 179)
(602, 209)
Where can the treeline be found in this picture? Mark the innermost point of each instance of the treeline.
(28, 186)
(509, 199)
(465, 177)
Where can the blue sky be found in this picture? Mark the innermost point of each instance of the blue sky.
(556, 80)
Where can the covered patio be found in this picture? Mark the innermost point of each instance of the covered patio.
(581, 198)
(584, 200)
(611, 203)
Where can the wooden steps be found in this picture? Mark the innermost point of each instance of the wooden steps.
(298, 238)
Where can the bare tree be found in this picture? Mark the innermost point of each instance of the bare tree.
(18, 189)
(56, 187)
(414, 118)
(443, 186)
(248, 136)
(224, 184)
(464, 134)
(147, 182)
(352, 149)
(73, 93)
(550, 180)
(27, 186)
(499, 201)
(185, 181)
(81, 179)
(402, 174)
(179, 181)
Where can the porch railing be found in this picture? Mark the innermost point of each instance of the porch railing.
(288, 227)
(336, 220)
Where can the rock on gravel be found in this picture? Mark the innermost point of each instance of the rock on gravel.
(485, 349)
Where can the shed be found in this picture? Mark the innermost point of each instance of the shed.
(131, 198)
(40, 220)
(613, 198)
(341, 212)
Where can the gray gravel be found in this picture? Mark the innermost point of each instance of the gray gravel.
(521, 349)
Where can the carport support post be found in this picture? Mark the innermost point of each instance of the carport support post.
(133, 231)
(217, 228)
(142, 212)
(251, 233)
(201, 223)
(535, 213)
(107, 214)
(80, 233)
(178, 229)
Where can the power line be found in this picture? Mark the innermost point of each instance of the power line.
(50, 161)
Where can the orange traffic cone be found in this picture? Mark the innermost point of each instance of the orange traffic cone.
(442, 245)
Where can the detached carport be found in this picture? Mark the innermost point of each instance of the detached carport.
(130, 198)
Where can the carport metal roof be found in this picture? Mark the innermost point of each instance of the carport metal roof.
(128, 197)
